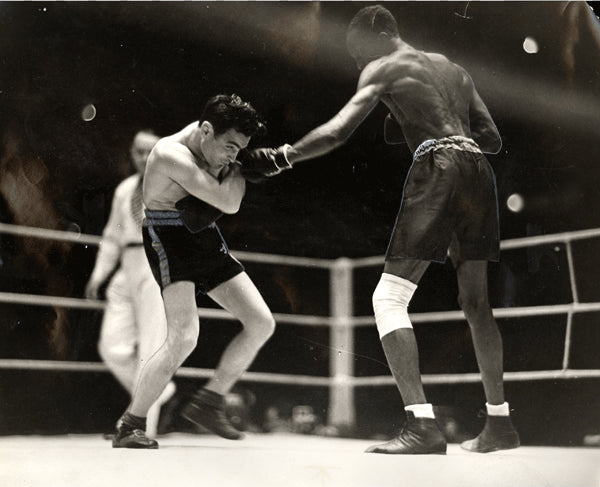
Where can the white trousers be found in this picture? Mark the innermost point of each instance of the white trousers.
(134, 324)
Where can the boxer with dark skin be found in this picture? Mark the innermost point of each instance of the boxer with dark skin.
(192, 178)
(449, 207)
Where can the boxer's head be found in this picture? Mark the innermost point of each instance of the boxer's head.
(371, 34)
(226, 126)
(142, 144)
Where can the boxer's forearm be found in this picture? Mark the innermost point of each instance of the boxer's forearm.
(336, 131)
(234, 186)
(316, 143)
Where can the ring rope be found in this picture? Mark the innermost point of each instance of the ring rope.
(209, 313)
(342, 321)
(315, 320)
(508, 244)
(306, 380)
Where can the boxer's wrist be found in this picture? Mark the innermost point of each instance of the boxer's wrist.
(281, 157)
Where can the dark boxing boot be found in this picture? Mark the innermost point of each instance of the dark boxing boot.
(207, 409)
(419, 436)
(130, 434)
(497, 434)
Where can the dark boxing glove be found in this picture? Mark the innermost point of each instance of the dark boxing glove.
(197, 214)
(265, 162)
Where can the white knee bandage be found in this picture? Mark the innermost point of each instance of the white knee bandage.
(390, 303)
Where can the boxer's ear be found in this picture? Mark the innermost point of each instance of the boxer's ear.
(383, 40)
(206, 128)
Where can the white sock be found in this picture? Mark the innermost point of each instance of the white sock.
(421, 410)
(497, 409)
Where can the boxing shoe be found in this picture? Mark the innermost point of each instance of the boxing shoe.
(418, 436)
(497, 434)
(207, 409)
(126, 438)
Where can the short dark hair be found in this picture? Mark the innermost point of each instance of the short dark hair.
(226, 112)
(373, 20)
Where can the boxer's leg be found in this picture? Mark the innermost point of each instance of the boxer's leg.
(183, 328)
(240, 297)
(152, 332)
(390, 303)
(498, 433)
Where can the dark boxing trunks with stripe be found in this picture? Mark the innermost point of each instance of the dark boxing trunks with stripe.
(177, 254)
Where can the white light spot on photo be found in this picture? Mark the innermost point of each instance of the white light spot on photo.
(530, 45)
(88, 112)
(515, 203)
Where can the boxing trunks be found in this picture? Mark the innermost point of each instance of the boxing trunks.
(449, 196)
(187, 245)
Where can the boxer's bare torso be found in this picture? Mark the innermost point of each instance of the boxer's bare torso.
(177, 167)
(430, 97)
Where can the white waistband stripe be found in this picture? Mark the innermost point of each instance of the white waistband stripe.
(456, 142)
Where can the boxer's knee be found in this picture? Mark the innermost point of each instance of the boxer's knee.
(261, 327)
(474, 304)
(183, 328)
(390, 303)
(182, 340)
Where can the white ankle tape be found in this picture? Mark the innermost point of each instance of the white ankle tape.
(421, 410)
(390, 303)
(497, 409)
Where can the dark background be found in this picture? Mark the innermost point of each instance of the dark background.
(154, 64)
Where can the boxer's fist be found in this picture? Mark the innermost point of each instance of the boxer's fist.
(264, 162)
(261, 161)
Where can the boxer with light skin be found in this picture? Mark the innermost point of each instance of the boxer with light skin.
(449, 207)
(192, 178)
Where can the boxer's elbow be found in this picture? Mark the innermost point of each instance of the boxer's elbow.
(231, 210)
(234, 191)
(495, 147)
(493, 142)
(231, 205)
(488, 138)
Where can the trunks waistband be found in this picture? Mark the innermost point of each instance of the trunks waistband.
(163, 218)
(456, 142)
(132, 245)
(166, 218)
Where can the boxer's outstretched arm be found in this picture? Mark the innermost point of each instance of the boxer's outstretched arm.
(336, 131)
(178, 163)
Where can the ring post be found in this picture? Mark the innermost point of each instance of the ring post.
(341, 365)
